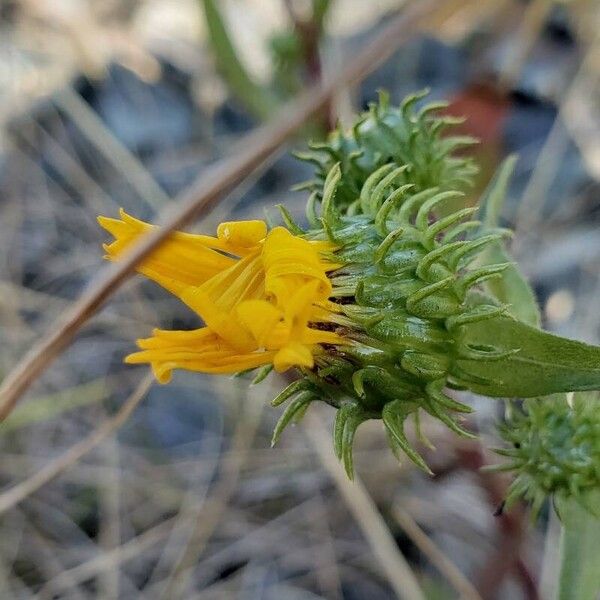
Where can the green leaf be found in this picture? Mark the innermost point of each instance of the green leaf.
(511, 288)
(257, 99)
(494, 196)
(544, 364)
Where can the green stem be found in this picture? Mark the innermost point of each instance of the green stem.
(580, 554)
(258, 100)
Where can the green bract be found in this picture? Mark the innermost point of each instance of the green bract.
(400, 136)
(554, 450)
(414, 290)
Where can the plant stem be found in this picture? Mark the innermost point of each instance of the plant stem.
(257, 99)
(579, 577)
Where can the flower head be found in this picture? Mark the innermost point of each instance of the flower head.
(261, 294)
(382, 304)
(554, 450)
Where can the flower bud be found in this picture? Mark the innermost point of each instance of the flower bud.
(554, 450)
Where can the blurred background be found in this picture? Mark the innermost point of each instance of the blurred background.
(113, 488)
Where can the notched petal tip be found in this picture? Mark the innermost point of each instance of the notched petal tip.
(162, 371)
(293, 354)
(245, 234)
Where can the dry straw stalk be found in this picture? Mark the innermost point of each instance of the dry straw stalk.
(204, 194)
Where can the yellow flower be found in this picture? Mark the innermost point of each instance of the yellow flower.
(263, 296)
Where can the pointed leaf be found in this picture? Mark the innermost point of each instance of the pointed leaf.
(512, 288)
(545, 363)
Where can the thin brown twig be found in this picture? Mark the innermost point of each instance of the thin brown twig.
(204, 194)
(19, 492)
(465, 589)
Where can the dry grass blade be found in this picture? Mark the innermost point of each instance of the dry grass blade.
(204, 194)
(111, 148)
(105, 561)
(534, 196)
(531, 26)
(207, 515)
(19, 492)
(110, 507)
(397, 571)
(465, 589)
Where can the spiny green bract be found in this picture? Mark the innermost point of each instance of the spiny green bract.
(392, 135)
(554, 449)
(412, 293)
(405, 300)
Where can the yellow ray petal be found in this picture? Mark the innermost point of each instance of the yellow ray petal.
(260, 318)
(289, 259)
(262, 295)
(180, 261)
(247, 234)
(198, 350)
(183, 259)
(293, 354)
(222, 322)
(242, 281)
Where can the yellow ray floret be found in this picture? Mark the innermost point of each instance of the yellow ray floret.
(258, 292)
